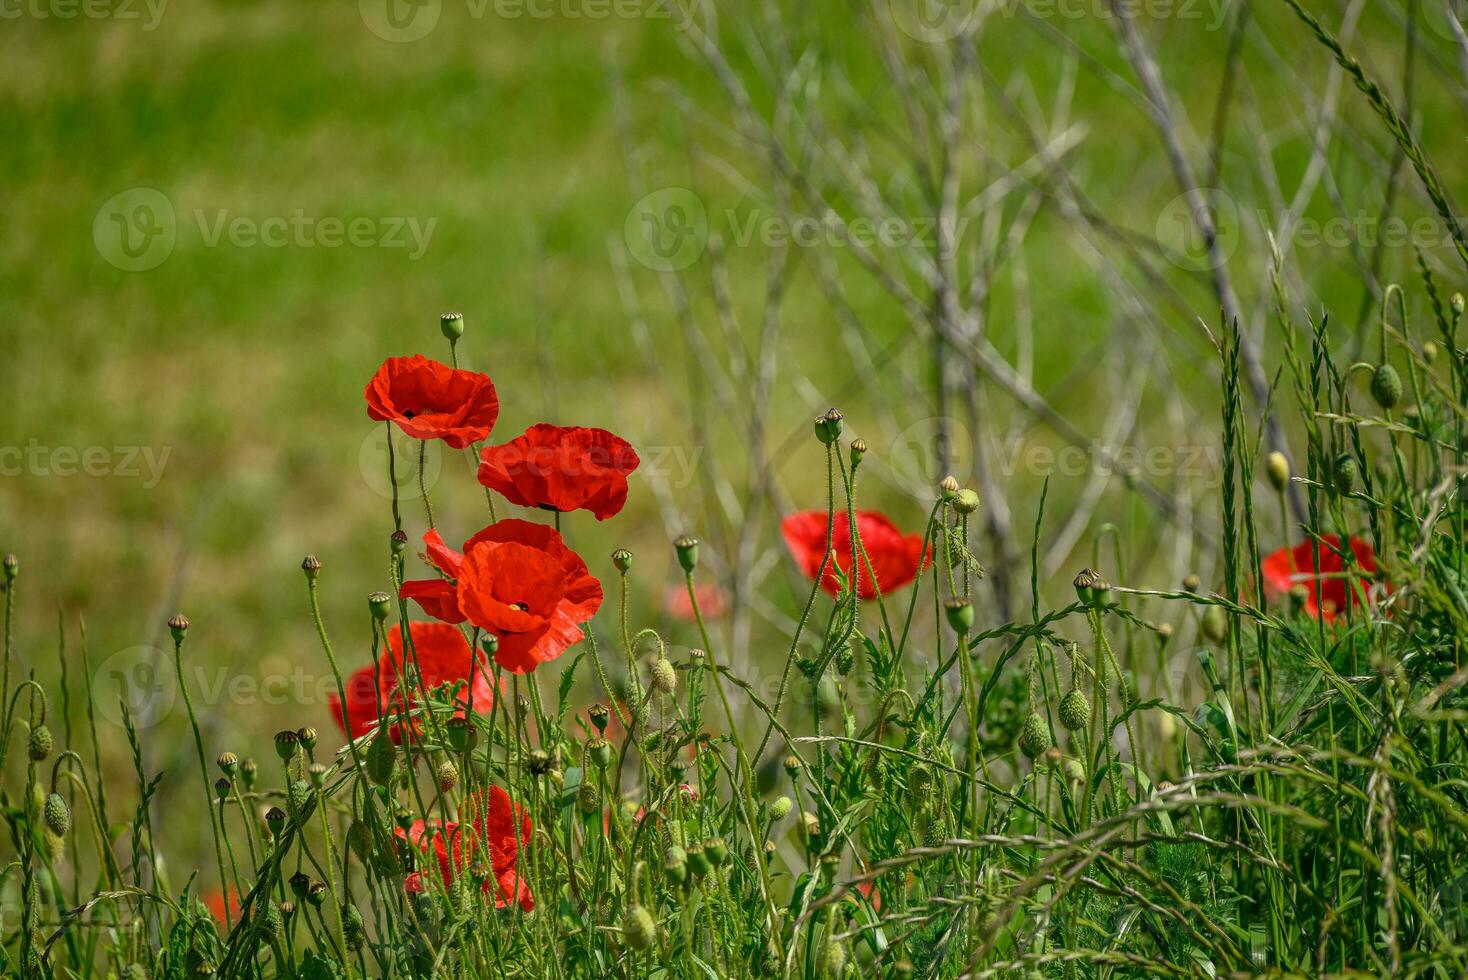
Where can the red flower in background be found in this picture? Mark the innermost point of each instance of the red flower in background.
(519, 582)
(218, 900)
(442, 657)
(429, 400)
(713, 601)
(561, 468)
(487, 818)
(896, 558)
(1327, 590)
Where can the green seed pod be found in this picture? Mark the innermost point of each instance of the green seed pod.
(311, 565)
(398, 541)
(452, 325)
(178, 626)
(1386, 386)
(600, 751)
(638, 929)
(829, 426)
(948, 488)
(858, 452)
(960, 615)
(1215, 624)
(381, 756)
(1430, 351)
(379, 604)
(663, 676)
(353, 929)
(1075, 711)
(698, 860)
(446, 776)
(1126, 688)
(832, 962)
(780, 809)
(622, 559)
(1086, 582)
(461, 734)
(222, 787)
(1034, 737)
(287, 744)
(686, 548)
(1346, 474)
(675, 865)
(717, 851)
(12, 567)
(316, 893)
(300, 883)
(967, 501)
(308, 737)
(1277, 465)
(275, 820)
(40, 743)
(58, 815)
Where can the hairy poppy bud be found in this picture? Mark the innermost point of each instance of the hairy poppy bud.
(40, 743)
(948, 488)
(12, 567)
(1278, 468)
(381, 755)
(599, 716)
(967, 501)
(461, 734)
(1215, 624)
(829, 426)
(353, 929)
(1386, 386)
(446, 776)
(675, 864)
(858, 451)
(588, 797)
(960, 615)
(221, 788)
(1075, 711)
(832, 962)
(298, 794)
(275, 820)
(178, 626)
(600, 751)
(1346, 473)
(638, 929)
(287, 743)
(248, 772)
(687, 550)
(622, 559)
(270, 924)
(228, 763)
(1034, 737)
(58, 815)
(379, 603)
(664, 677)
(780, 809)
(1429, 352)
(308, 737)
(452, 325)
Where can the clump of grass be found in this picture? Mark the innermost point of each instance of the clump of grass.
(1262, 774)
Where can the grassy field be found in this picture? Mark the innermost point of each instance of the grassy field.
(179, 436)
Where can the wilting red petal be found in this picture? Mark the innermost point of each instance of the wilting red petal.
(429, 400)
(1327, 590)
(896, 558)
(562, 468)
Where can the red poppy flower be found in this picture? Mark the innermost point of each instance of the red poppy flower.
(442, 656)
(218, 900)
(1327, 591)
(429, 400)
(713, 601)
(519, 582)
(561, 468)
(487, 818)
(896, 558)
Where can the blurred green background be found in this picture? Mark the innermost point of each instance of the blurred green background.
(222, 387)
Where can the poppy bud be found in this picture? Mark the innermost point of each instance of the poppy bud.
(638, 929)
(717, 851)
(381, 755)
(1075, 711)
(601, 752)
(588, 797)
(275, 820)
(1215, 624)
(287, 743)
(1126, 688)
(12, 567)
(222, 788)
(58, 815)
(298, 794)
(948, 488)
(858, 450)
(1386, 386)
(270, 924)
(308, 737)
(599, 716)
(178, 626)
(248, 772)
(452, 325)
(780, 809)
(832, 962)
(353, 929)
(919, 779)
(1086, 583)
(675, 864)
(664, 677)
(1164, 630)
(378, 603)
(1346, 473)
(1034, 737)
(960, 615)
(461, 734)
(1192, 584)
(1278, 467)
(829, 426)
(687, 549)
(1429, 352)
(967, 501)
(446, 776)
(622, 558)
(40, 743)
(228, 763)
(698, 860)
(398, 541)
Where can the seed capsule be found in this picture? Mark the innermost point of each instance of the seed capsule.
(452, 325)
(1034, 737)
(178, 626)
(58, 815)
(40, 743)
(287, 743)
(379, 604)
(829, 426)
(858, 451)
(622, 559)
(12, 567)
(960, 615)
(686, 548)
(228, 763)
(948, 489)
(1075, 711)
